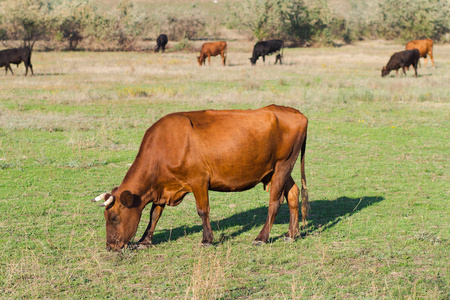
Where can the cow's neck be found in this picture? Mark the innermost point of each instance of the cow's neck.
(140, 181)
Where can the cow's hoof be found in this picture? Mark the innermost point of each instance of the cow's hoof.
(142, 246)
(205, 244)
(288, 239)
(258, 243)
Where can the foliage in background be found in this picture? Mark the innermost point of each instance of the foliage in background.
(294, 20)
(402, 20)
(409, 20)
(63, 24)
(32, 25)
(72, 22)
(182, 24)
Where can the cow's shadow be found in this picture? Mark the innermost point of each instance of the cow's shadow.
(324, 214)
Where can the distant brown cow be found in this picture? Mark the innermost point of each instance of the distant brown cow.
(210, 150)
(212, 49)
(425, 48)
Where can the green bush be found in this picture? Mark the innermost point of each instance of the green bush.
(28, 26)
(179, 24)
(294, 20)
(408, 20)
(72, 24)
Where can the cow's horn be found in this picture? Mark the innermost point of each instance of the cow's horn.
(99, 198)
(107, 202)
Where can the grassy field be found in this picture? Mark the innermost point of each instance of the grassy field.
(377, 167)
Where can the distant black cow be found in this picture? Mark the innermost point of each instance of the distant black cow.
(161, 43)
(16, 56)
(267, 48)
(402, 59)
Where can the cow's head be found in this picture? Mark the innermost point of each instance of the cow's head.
(201, 60)
(253, 60)
(122, 213)
(384, 72)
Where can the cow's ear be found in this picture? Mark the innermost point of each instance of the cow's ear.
(128, 199)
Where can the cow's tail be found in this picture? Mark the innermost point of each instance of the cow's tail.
(304, 191)
(282, 48)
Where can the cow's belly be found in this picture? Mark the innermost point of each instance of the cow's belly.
(241, 176)
(230, 185)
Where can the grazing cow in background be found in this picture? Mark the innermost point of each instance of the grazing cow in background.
(217, 150)
(16, 56)
(425, 48)
(161, 43)
(402, 59)
(212, 49)
(267, 48)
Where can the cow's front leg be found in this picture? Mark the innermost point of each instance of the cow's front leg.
(8, 66)
(155, 214)
(202, 202)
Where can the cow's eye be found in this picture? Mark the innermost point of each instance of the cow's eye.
(113, 219)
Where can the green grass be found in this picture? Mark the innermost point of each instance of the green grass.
(377, 168)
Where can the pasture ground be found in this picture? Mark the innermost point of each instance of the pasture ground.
(377, 167)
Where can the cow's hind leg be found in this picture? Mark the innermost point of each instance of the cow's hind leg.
(146, 239)
(430, 53)
(291, 193)
(202, 202)
(31, 68)
(278, 58)
(277, 188)
(224, 58)
(415, 69)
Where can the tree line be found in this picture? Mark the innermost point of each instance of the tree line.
(61, 24)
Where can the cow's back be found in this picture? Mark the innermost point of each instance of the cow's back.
(424, 46)
(213, 48)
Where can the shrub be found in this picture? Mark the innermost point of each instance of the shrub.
(408, 20)
(179, 25)
(29, 26)
(293, 20)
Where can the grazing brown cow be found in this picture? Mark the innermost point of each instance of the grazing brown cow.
(425, 48)
(212, 49)
(223, 150)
